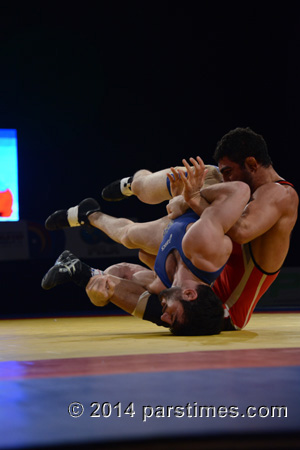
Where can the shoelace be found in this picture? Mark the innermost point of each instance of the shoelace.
(69, 266)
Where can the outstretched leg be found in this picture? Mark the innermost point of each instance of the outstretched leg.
(150, 187)
(145, 236)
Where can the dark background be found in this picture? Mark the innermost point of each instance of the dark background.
(97, 92)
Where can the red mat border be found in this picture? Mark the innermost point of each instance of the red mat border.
(145, 363)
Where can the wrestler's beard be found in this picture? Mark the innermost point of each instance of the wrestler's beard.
(247, 178)
(173, 293)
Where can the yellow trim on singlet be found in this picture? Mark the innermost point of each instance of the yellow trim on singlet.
(248, 265)
(254, 298)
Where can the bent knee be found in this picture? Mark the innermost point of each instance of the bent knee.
(138, 182)
(150, 188)
(129, 237)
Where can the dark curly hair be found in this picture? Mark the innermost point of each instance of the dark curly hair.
(240, 143)
(202, 316)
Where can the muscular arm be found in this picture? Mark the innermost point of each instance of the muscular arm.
(128, 271)
(122, 284)
(102, 289)
(270, 203)
(138, 274)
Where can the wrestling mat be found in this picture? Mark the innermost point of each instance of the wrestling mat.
(119, 382)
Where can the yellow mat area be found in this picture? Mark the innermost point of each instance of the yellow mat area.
(53, 338)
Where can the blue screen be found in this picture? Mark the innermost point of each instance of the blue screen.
(9, 186)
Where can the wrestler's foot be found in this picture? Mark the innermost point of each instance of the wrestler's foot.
(72, 217)
(118, 190)
(67, 268)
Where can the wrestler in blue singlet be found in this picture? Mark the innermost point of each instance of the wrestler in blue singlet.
(172, 240)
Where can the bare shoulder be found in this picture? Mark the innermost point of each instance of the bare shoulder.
(282, 195)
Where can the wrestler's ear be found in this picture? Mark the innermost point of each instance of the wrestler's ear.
(190, 294)
(251, 163)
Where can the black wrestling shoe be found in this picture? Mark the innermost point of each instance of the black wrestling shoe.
(118, 190)
(67, 268)
(72, 217)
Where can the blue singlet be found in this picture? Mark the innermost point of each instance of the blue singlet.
(172, 240)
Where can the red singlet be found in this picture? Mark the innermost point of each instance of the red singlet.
(242, 282)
